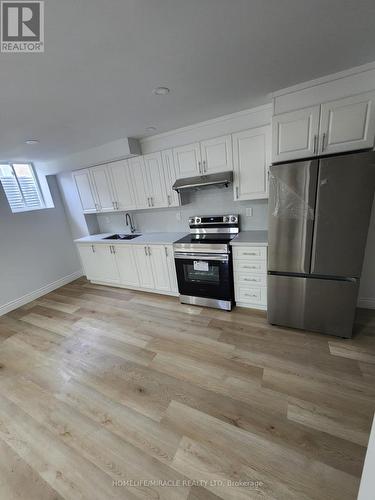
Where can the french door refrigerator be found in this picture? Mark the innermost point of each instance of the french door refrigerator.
(319, 212)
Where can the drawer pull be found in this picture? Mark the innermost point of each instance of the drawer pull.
(251, 295)
(251, 267)
(251, 279)
(251, 253)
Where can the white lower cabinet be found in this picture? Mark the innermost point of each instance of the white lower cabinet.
(99, 262)
(250, 276)
(144, 267)
(126, 265)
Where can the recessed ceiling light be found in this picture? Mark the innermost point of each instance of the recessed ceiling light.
(32, 141)
(151, 129)
(161, 91)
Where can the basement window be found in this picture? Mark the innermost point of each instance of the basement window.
(21, 187)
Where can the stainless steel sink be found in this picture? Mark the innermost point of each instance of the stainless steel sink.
(122, 237)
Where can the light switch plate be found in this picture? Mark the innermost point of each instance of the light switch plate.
(249, 212)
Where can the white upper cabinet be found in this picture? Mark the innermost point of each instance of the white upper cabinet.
(103, 188)
(251, 159)
(85, 190)
(138, 175)
(348, 124)
(171, 174)
(216, 155)
(155, 183)
(122, 185)
(295, 134)
(188, 160)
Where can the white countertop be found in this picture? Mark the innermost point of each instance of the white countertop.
(144, 239)
(251, 238)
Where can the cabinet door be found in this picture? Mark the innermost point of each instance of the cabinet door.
(89, 261)
(143, 261)
(122, 185)
(160, 271)
(85, 190)
(137, 172)
(171, 268)
(126, 265)
(171, 174)
(188, 160)
(348, 124)
(106, 264)
(295, 134)
(217, 155)
(103, 188)
(251, 157)
(155, 180)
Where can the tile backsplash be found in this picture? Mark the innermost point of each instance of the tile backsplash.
(210, 201)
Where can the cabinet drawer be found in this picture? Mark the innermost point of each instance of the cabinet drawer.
(250, 266)
(249, 253)
(251, 295)
(248, 279)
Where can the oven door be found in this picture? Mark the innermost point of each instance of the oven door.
(204, 275)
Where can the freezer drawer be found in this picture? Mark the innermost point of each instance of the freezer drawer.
(321, 305)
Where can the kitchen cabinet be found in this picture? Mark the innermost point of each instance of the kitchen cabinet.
(251, 159)
(139, 182)
(85, 190)
(154, 179)
(188, 160)
(250, 276)
(103, 188)
(216, 155)
(122, 185)
(171, 174)
(171, 268)
(348, 124)
(126, 264)
(159, 265)
(295, 134)
(144, 266)
(99, 262)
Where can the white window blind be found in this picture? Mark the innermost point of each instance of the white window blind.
(21, 187)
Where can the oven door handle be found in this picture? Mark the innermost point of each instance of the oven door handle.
(200, 256)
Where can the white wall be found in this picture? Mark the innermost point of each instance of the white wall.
(36, 251)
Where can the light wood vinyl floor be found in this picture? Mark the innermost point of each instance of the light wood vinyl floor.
(107, 393)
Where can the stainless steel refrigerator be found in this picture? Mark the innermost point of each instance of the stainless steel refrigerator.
(319, 212)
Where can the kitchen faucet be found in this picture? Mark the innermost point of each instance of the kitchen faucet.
(129, 222)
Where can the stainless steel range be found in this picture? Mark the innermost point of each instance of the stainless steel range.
(203, 261)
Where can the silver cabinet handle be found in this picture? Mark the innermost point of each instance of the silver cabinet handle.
(110, 248)
(152, 201)
(116, 205)
(251, 267)
(204, 166)
(146, 251)
(149, 251)
(114, 249)
(148, 201)
(166, 251)
(96, 207)
(315, 143)
(251, 295)
(237, 194)
(251, 279)
(93, 248)
(324, 141)
(250, 253)
(200, 167)
(169, 199)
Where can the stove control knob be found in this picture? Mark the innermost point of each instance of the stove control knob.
(225, 219)
(198, 220)
(233, 219)
(191, 221)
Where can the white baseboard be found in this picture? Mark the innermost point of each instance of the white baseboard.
(366, 302)
(29, 297)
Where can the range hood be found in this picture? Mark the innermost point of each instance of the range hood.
(201, 181)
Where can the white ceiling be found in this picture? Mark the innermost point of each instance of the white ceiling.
(94, 82)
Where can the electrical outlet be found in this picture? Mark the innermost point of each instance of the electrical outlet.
(249, 212)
